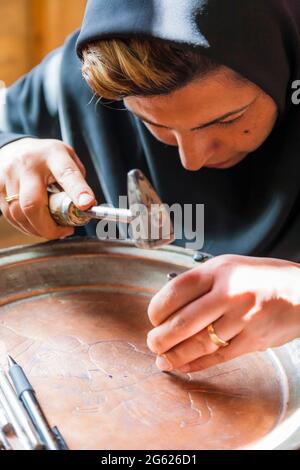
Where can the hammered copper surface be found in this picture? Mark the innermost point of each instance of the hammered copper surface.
(85, 352)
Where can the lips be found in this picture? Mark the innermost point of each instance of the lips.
(228, 163)
(219, 165)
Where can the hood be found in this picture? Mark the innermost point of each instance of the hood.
(259, 39)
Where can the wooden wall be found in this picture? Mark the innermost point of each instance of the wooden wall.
(32, 28)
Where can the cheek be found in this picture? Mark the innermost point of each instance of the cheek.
(241, 137)
(250, 136)
(255, 130)
(243, 140)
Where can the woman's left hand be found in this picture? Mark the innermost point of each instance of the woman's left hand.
(253, 304)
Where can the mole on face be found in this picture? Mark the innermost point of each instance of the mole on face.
(246, 131)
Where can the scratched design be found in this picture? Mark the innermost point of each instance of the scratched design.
(85, 353)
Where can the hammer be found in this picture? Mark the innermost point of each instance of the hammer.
(145, 210)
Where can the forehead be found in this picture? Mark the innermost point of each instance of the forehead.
(205, 98)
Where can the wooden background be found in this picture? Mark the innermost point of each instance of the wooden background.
(32, 28)
(29, 30)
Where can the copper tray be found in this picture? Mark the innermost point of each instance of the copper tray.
(73, 313)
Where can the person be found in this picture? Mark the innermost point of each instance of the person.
(198, 94)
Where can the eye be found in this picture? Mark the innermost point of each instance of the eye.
(231, 121)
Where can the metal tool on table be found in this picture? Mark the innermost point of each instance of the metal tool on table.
(5, 425)
(4, 442)
(22, 415)
(27, 396)
(144, 204)
(17, 416)
(6, 430)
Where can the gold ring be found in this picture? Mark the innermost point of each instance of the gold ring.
(215, 338)
(15, 197)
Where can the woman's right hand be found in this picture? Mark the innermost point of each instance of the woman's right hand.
(27, 167)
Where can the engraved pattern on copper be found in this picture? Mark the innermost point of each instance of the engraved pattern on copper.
(85, 353)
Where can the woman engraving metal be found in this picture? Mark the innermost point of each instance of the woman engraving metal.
(202, 94)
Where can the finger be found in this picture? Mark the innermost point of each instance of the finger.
(179, 292)
(6, 213)
(15, 211)
(238, 347)
(186, 352)
(2, 186)
(226, 328)
(185, 323)
(76, 159)
(34, 205)
(3, 204)
(69, 176)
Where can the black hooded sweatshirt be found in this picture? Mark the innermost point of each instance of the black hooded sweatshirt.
(252, 208)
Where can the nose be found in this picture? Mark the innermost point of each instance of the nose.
(196, 151)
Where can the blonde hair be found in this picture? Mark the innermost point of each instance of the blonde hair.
(118, 68)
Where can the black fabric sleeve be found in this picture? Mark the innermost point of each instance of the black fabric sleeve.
(8, 137)
(30, 106)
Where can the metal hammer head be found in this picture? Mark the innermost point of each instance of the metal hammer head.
(149, 219)
(151, 225)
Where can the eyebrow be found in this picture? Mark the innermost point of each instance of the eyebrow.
(201, 126)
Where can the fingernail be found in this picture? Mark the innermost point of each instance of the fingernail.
(163, 363)
(85, 199)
